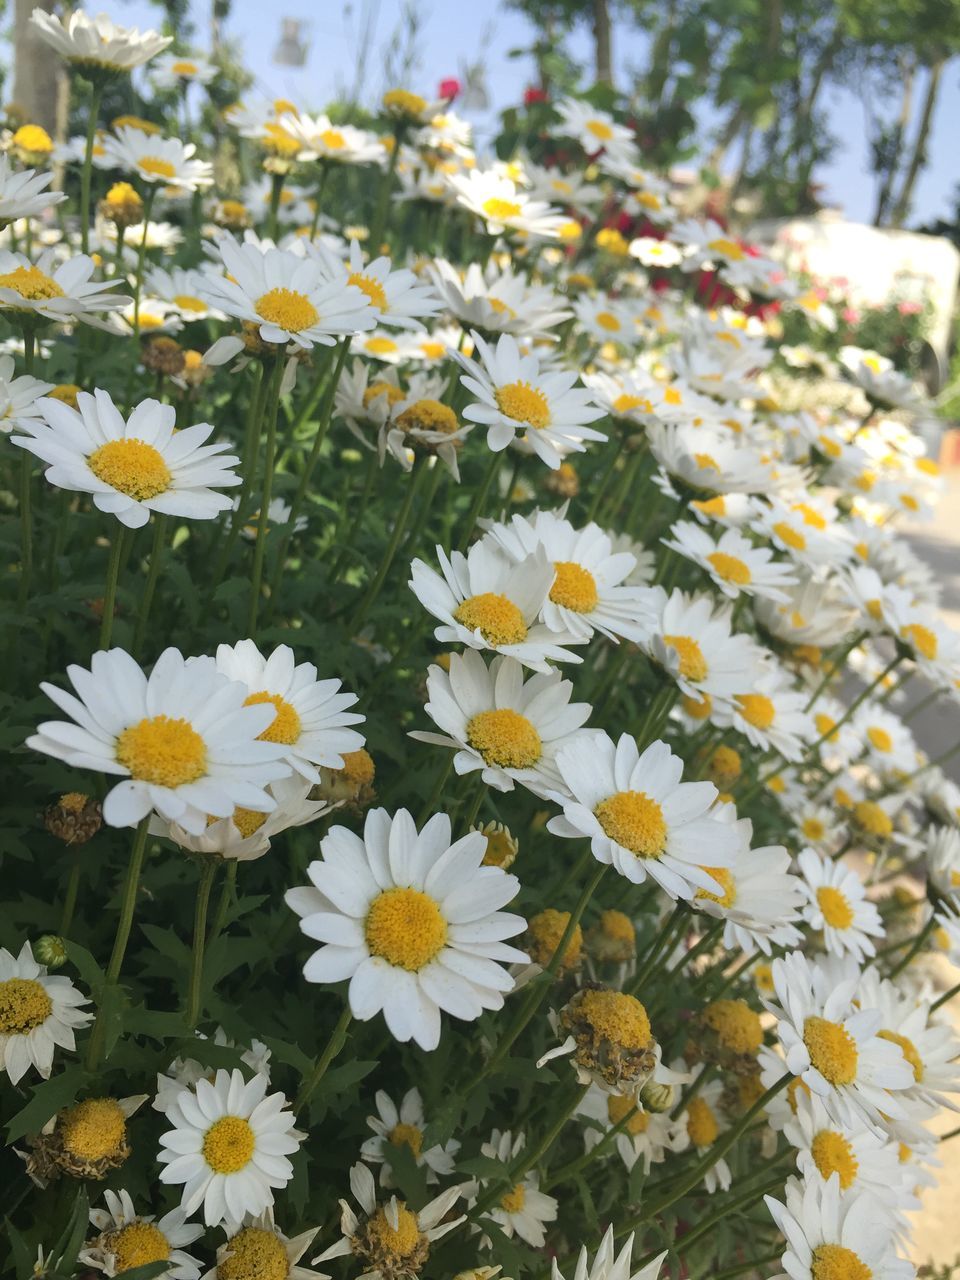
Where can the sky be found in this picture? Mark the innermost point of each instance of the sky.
(453, 33)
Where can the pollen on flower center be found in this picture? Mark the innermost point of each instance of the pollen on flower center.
(505, 738)
(729, 248)
(405, 101)
(93, 1129)
(429, 415)
(836, 1262)
(832, 1050)
(790, 536)
(813, 829)
(406, 928)
(406, 1135)
(254, 1253)
(287, 309)
(837, 911)
(832, 1153)
(730, 568)
(607, 320)
(132, 467)
(544, 934)
(156, 166)
(286, 725)
(880, 740)
(398, 1242)
(333, 139)
(514, 1199)
(247, 821)
(634, 821)
(693, 665)
(31, 283)
(618, 1107)
(724, 878)
(135, 1245)
(702, 1124)
(164, 751)
(24, 1004)
(756, 709)
(371, 287)
(497, 619)
(617, 1017)
(184, 68)
(909, 1051)
(574, 587)
(392, 393)
(497, 208)
(228, 1144)
(625, 403)
(737, 1025)
(600, 129)
(190, 302)
(920, 638)
(706, 462)
(872, 818)
(523, 403)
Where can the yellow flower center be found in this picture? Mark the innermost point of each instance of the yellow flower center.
(333, 140)
(837, 911)
(706, 461)
(184, 68)
(618, 1107)
(162, 750)
(634, 821)
(617, 926)
(500, 307)
(836, 1262)
(400, 1241)
(392, 393)
(607, 320)
(880, 740)
(233, 211)
(380, 346)
(137, 1244)
(429, 415)
(625, 403)
(33, 137)
(813, 829)
(697, 708)
(872, 818)
(131, 467)
(406, 1135)
(433, 350)
(724, 878)
(523, 403)
(832, 1153)
(909, 1050)
(405, 102)
(832, 1050)
(501, 850)
(693, 665)
(406, 928)
(763, 981)
(285, 727)
(247, 821)
(156, 167)
(93, 1129)
(278, 140)
(498, 619)
(702, 1124)
(254, 1253)
(371, 287)
(790, 536)
(600, 129)
(190, 302)
(825, 725)
(544, 934)
(811, 517)
(757, 709)
(499, 209)
(287, 309)
(617, 1017)
(920, 638)
(123, 195)
(24, 1004)
(31, 283)
(228, 1144)
(729, 248)
(737, 1026)
(505, 738)
(515, 1199)
(725, 763)
(574, 587)
(730, 568)
(358, 767)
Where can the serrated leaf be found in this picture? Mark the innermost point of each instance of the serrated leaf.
(87, 967)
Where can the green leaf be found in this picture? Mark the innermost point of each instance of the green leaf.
(87, 967)
(68, 1246)
(409, 1177)
(23, 1256)
(47, 1098)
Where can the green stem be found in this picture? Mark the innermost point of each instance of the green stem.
(227, 893)
(616, 449)
(947, 995)
(153, 574)
(276, 191)
(918, 942)
(318, 196)
(70, 898)
(383, 195)
(248, 467)
(338, 1038)
(414, 485)
(96, 93)
(660, 942)
(724, 1211)
(148, 200)
(110, 592)
(480, 498)
(373, 466)
(600, 1148)
(207, 873)
(833, 664)
(260, 546)
(26, 478)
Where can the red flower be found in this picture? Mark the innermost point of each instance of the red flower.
(449, 88)
(533, 94)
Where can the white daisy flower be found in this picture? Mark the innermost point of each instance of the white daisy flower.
(703, 459)
(181, 287)
(168, 161)
(759, 900)
(54, 291)
(330, 143)
(256, 1247)
(128, 1239)
(485, 601)
(183, 1073)
(629, 396)
(404, 1126)
(132, 466)
(819, 825)
(310, 716)
(647, 1135)
(399, 298)
(594, 129)
(389, 1240)
(837, 906)
(736, 565)
(639, 816)
(422, 423)
(772, 716)
(651, 252)
(516, 398)
(182, 738)
(696, 645)
(815, 613)
(38, 1012)
(178, 70)
(524, 1209)
(504, 207)
(278, 517)
(96, 42)
(942, 859)
(811, 544)
(508, 729)
(605, 319)
(833, 1046)
(23, 192)
(705, 1122)
(589, 592)
(833, 1233)
(19, 396)
(412, 920)
(497, 300)
(888, 743)
(291, 299)
(880, 382)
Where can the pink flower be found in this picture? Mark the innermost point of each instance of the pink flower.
(909, 308)
(449, 88)
(851, 315)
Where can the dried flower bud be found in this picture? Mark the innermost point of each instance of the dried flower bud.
(74, 819)
(544, 933)
(614, 1045)
(564, 482)
(658, 1097)
(121, 205)
(613, 939)
(163, 355)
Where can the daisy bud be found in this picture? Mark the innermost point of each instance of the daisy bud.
(74, 819)
(730, 1035)
(658, 1097)
(50, 950)
(564, 482)
(66, 393)
(544, 933)
(32, 144)
(121, 205)
(613, 1043)
(613, 939)
(502, 847)
(232, 214)
(724, 767)
(353, 783)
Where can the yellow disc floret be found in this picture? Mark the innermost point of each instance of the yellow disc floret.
(135, 1245)
(406, 1135)
(406, 928)
(692, 663)
(832, 1050)
(702, 1126)
(724, 878)
(132, 467)
(499, 209)
(429, 415)
(544, 934)
(636, 822)
(505, 738)
(285, 727)
(24, 1004)
(254, 1253)
(163, 751)
(229, 1144)
(832, 1153)
(400, 1241)
(93, 1129)
(31, 283)
(288, 309)
(730, 568)
(835, 907)
(737, 1026)
(836, 1262)
(498, 619)
(523, 403)
(618, 1108)
(908, 1049)
(372, 287)
(872, 818)
(574, 587)
(617, 1017)
(403, 102)
(757, 709)
(515, 1199)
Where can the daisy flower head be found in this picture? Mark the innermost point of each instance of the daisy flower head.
(404, 1126)
(880, 382)
(652, 252)
(420, 423)
(497, 300)
(638, 814)
(705, 1122)
(181, 288)
(256, 1247)
(695, 643)
(509, 729)
(95, 44)
(321, 139)
(735, 564)
(590, 591)
(887, 742)
(486, 601)
(815, 612)
(516, 398)
(39, 1011)
(19, 396)
(412, 108)
(182, 739)
(127, 1239)
(49, 290)
(833, 1046)
(647, 1136)
(605, 319)
(594, 129)
(837, 906)
(291, 299)
(524, 1210)
(228, 1146)
(502, 206)
(169, 161)
(178, 71)
(703, 459)
(399, 298)
(183, 1073)
(412, 920)
(804, 535)
(772, 716)
(759, 899)
(23, 193)
(310, 716)
(391, 1241)
(131, 466)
